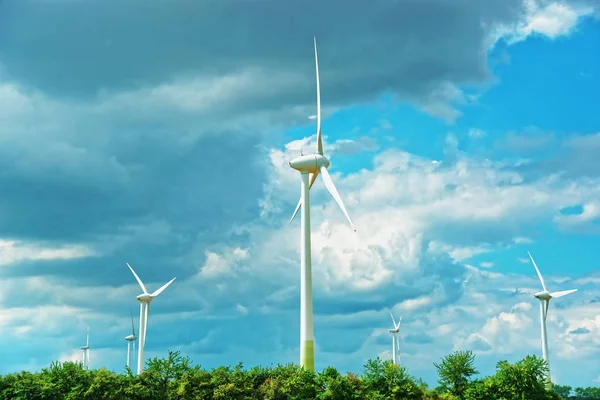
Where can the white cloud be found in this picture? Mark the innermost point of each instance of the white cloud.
(553, 20)
(590, 212)
(522, 240)
(549, 18)
(13, 251)
(220, 265)
(476, 133)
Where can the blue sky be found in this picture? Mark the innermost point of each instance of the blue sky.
(460, 137)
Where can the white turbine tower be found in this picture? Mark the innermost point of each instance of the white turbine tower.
(130, 343)
(86, 350)
(544, 297)
(395, 331)
(145, 298)
(311, 164)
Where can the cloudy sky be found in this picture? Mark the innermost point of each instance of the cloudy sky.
(461, 134)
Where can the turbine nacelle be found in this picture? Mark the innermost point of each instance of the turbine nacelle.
(84, 347)
(310, 163)
(144, 298)
(543, 295)
(130, 338)
(393, 330)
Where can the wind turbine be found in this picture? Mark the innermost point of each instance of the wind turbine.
(544, 297)
(311, 164)
(395, 340)
(145, 298)
(130, 342)
(86, 350)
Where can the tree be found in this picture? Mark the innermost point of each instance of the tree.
(174, 378)
(386, 380)
(562, 391)
(333, 386)
(161, 375)
(455, 371)
(588, 393)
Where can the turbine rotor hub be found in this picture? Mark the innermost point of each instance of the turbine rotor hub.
(309, 163)
(543, 295)
(144, 298)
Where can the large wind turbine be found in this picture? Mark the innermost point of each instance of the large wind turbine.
(130, 343)
(395, 340)
(544, 297)
(311, 164)
(86, 350)
(145, 298)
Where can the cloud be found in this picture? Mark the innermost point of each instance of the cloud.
(579, 331)
(13, 252)
(476, 133)
(146, 147)
(217, 265)
(547, 18)
(408, 255)
(409, 60)
(349, 146)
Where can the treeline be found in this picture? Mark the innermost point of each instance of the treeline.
(174, 377)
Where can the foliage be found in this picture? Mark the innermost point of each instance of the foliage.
(455, 371)
(174, 377)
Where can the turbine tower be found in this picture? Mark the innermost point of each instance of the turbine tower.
(311, 164)
(130, 343)
(395, 331)
(86, 351)
(145, 298)
(544, 297)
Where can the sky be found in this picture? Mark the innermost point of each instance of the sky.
(461, 135)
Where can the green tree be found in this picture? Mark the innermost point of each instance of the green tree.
(162, 374)
(333, 386)
(587, 393)
(385, 380)
(455, 371)
(562, 391)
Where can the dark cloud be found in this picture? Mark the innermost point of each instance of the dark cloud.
(421, 338)
(349, 147)
(529, 141)
(190, 190)
(116, 45)
(479, 345)
(573, 157)
(579, 331)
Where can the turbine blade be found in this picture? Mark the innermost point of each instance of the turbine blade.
(137, 278)
(399, 321)
(163, 287)
(331, 187)
(538, 271)
(562, 293)
(393, 320)
(319, 139)
(132, 327)
(313, 178)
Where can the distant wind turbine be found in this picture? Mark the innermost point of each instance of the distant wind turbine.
(395, 331)
(544, 297)
(86, 350)
(311, 164)
(130, 343)
(145, 298)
